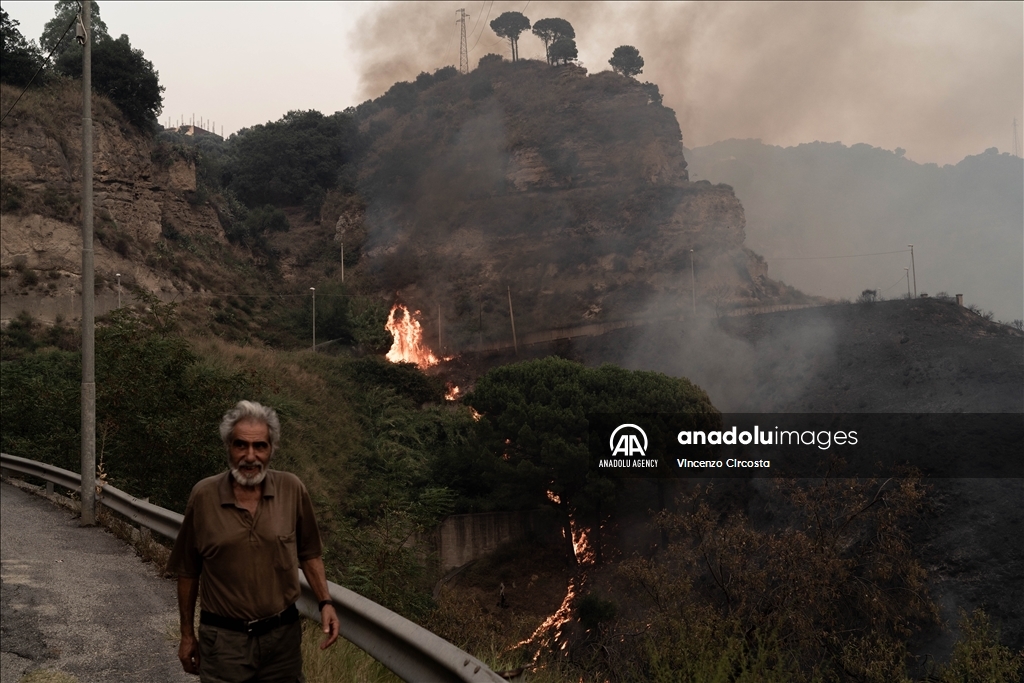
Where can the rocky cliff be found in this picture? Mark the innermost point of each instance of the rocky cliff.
(565, 190)
(142, 203)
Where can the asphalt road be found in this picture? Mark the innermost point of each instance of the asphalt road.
(79, 601)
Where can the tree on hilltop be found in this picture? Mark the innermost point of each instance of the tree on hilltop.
(626, 60)
(563, 50)
(551, 30)
(64, 13)
(510, 25)
(122, 73)
(19, 59)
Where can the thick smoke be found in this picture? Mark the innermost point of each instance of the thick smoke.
(942, 81)
(740, 375)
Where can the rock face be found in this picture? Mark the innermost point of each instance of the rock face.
(140, 195)
(565, 192)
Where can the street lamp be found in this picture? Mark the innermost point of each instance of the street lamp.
(88, 431)
(914, 269)
(313, 289)
(118, 276)
(693, 285)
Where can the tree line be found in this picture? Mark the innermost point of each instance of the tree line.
(119, 71)
(560, 42)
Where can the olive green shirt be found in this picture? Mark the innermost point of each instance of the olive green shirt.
(248, 563)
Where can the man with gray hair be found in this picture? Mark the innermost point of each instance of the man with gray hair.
(245, 534)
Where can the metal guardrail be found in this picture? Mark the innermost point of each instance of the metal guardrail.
(410, 651)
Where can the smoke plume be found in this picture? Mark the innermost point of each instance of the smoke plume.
(941, 80)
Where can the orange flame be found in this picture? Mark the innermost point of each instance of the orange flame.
(580, 543)
(555, 622)
(408, 339)
(550, 631)
(452, 392)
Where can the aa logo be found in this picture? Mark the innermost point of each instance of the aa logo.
(628, 440)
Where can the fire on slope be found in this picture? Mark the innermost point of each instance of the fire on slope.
(408, 344)
(550, 631)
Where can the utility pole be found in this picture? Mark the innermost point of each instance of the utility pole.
(88, 491)
(693, 285)
(914, 268)
(118, 276)
(463, 50)
(907, 271)
(515, 343)
(313, 289)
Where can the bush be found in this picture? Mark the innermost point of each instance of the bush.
(29, 279)
(12, 197)
(832, 594)
(157, 406)
(978, 656)
(489, 60)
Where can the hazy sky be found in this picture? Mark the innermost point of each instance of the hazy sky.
(942, 80)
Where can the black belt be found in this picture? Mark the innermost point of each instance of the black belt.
(256, 627)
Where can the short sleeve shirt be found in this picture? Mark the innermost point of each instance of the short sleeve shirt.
(248, 563)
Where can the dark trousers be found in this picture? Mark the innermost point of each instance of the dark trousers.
(227, 656)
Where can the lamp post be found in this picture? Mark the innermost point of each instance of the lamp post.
(313, 289)
(907, 271)
(88, 435)
(693, 285)
(118, 276)
(913, 268)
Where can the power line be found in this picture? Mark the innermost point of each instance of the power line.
(473, 30)
(59, 41)
(814, 258)
(451, 39)
(902, 277)
(481, 34)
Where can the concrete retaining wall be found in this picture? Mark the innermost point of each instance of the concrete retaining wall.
(462, 538)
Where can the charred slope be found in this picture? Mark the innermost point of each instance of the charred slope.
(567, 189)
(921, 356)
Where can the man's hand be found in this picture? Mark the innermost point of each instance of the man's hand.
(316, 575)
(188, 653)
(331, 626)
(188, 650)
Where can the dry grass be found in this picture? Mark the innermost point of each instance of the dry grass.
(343, 661)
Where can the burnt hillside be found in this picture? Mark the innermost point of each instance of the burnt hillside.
(568, 189)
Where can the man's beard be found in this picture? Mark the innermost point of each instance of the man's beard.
(249, 480)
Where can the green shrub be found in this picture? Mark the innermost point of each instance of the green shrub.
(154, 397)
(978, 657)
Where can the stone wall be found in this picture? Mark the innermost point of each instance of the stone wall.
(462, 538)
